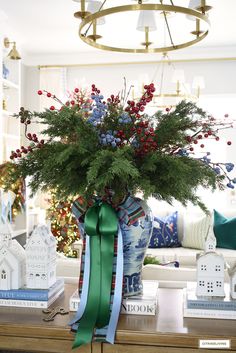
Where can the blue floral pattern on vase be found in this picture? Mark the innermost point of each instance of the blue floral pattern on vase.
(135, 243)
(136, 236)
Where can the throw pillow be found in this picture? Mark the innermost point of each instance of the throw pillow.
(225, 231)
(165, 232)
(195, 232)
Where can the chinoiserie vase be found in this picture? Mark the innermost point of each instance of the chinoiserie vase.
(136, 222)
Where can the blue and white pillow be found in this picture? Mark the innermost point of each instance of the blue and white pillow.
(165, 233)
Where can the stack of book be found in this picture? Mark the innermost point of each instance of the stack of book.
(212, 307)
(32, 298)
(144, 304)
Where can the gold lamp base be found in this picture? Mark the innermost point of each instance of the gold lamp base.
(94, 37)
(204, 9)
(146, 44)
(81, 14)
(197, 33)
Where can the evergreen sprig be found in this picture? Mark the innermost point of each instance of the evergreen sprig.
(91, 146)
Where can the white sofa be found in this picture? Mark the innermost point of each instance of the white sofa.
(167, 275)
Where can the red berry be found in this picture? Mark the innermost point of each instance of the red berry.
(202, 145)
(76, 90)
(229, 143)
(42, 142)
(34, 135)
(226, 115)
(17, 150)
(167, 110)
(52, 107)
(195, 141)
(217, 138)
(206, 135)
(199, 137)
(209, 132)
(49, 95)
(191, 149)
(12, 157)
(19, 155)
(72, 102)
(40, 92)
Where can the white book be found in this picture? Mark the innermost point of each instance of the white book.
(32, 303)
(206, 313)
(144, 304)
(210, 314)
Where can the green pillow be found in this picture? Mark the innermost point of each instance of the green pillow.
(225, 231)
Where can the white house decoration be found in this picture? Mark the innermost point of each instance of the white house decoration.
(12, 261)
(232, 281)
(210, 243)
(41, 259)
(210, 270)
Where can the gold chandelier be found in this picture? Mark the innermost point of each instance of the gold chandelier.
(171, 85)
(119, 33)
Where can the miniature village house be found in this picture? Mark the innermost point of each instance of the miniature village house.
(12, 261)
(41, 259)
(232, 281)
(210, 270)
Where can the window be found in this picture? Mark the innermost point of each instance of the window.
(235, 288)
(217, 268)
(218, 284)
(201, 283)
(3, 274)
(203, 268)
(210, 287)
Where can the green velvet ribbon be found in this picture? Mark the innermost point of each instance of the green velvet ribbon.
(101, 225)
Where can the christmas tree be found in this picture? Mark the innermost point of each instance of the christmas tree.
(63, 225)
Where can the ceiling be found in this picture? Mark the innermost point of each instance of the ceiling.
(48, 27)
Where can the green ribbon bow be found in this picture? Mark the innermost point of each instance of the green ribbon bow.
(101, 224)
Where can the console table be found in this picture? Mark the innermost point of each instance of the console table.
(168, 332)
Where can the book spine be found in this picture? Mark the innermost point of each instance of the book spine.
(138, 307)
(24, 303)
(31, 303)
(209, 314)
(211, 305)
(33, 294)
(133, 307)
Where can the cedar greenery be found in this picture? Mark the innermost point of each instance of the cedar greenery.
(151, 154)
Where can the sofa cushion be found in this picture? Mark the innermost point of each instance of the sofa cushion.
(165, 233)
(225, 231)
(187, 256)
(195, 232)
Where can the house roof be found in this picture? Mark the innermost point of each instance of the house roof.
(44, 233)
(209, 254)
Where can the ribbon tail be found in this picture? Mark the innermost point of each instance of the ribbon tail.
(87, 323)
(110, 337)
(107, 254)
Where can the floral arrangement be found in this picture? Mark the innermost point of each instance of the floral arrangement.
(92, 145)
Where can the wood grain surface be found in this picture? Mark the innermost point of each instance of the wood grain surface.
(24, 329)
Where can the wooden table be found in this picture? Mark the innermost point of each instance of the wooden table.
(169, 332)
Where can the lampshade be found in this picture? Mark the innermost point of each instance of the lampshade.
(94, 6)
(14, 55)
(146, 19)
(178, 76)
(197, 5)
(198, 82)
